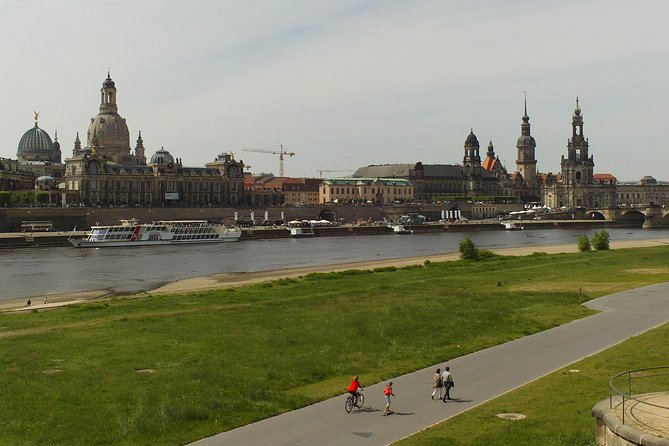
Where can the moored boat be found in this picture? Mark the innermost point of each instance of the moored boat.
(132, 233)
(512, 226)
(401, 230)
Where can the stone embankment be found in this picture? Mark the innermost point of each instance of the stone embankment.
(60, 238)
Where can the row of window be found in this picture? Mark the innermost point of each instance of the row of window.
(355, 191)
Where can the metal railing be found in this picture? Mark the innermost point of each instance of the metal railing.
(637, 383)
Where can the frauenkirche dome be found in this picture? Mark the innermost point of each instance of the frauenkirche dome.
(108, 126)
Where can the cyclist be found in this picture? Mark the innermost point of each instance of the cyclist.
(354, 389)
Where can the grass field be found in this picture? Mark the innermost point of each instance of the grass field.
(172, 369)
(557, 407)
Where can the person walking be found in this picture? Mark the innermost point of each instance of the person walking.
(438, 384)
(388, 392)
(447, 380)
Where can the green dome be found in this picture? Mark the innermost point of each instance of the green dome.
(35, 145)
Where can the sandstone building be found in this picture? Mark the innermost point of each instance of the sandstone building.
(107, 172)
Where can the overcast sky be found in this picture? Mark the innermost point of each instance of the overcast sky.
(345, 83)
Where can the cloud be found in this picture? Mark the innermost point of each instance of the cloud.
(343, 83)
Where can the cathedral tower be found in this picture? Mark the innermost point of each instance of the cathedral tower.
(526, 163)
(577, 168)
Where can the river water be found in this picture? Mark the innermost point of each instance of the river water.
(41, 271)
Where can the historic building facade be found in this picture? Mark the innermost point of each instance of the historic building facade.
(377, 191)
(107, 172)
(433, 182)
(645, 192)
(576, 185)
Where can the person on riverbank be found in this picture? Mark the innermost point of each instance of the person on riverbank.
(447, 380)
(388, 392)
(438, 384)
(28, 303)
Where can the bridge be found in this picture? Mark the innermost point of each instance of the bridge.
(646, 215)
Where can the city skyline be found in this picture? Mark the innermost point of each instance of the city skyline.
(344, 84)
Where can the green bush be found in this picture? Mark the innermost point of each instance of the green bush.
(600, 241)
(42, 197)
(486, 254)
(468, 250)
(583, 243)
(5, 198)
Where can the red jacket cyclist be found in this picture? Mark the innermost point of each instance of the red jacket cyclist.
(354, 389)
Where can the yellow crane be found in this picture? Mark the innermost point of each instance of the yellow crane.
(280, 152)
(320, 171)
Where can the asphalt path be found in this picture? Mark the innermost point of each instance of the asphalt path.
(479, 377)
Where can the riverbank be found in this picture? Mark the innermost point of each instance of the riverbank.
(230, 280)
(61, 238)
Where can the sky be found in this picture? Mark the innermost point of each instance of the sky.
(343, 83)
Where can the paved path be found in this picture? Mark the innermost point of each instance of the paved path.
(479, 377)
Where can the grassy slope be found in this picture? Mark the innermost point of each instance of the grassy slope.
(557, 407)
(171, 369)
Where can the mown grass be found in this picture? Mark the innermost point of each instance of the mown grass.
(557, 407)
(171, 369)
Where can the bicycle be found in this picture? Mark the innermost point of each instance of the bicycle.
(351, 403)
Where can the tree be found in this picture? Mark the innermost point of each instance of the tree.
(600, 241)
(6, 198)
(28, 198)
(468, 250)
(42, 197)
(583, 243)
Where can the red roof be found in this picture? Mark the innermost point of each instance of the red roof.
(489, 163)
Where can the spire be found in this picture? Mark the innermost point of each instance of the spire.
(55, 137)
(525, 126)
(77, 143)
(577, 112)
(525, 115)
(36, 118)
(491, 149)
(140, 141)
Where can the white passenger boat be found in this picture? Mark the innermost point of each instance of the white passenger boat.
(401, 230)
(132, 233)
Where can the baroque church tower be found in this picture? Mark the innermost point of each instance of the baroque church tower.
(526, 163)
(577, 168)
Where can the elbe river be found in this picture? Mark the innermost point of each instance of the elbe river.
(43, 271)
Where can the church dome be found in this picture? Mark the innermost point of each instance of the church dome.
(526, 140)
(108, 83)
(111, 131)
(472, 140)
(35, 145)
(162, 156)
(45, 182)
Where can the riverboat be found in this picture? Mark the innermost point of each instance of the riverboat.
(132, 233)
(512, 226)
(401, 230)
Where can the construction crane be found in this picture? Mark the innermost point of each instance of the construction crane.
(281, 153)
(320, 171)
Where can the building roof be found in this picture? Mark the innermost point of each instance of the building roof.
(489, 163)
(348, 181)
(34, 141)
(604, 178)
(385, 171)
